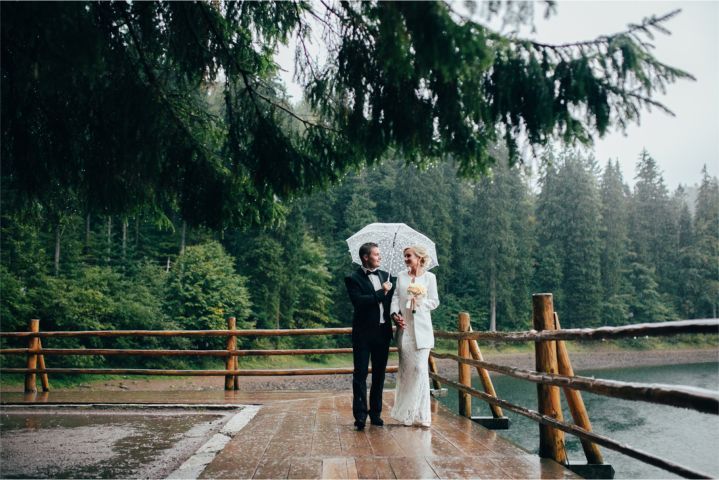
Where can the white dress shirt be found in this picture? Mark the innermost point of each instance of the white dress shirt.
(377, 286)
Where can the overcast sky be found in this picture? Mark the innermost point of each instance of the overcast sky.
(682, 144)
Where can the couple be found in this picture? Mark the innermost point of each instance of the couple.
(378, 300)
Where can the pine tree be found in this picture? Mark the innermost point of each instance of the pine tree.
(495, 246)
(707, 245)
(548, 271)
(569, 215)
(204, 290)
(312, 305)
(645, 303)
(653, 226)
(580, 233)
(688, 278)
(614, 244)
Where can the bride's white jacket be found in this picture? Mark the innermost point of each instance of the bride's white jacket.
(420, 322)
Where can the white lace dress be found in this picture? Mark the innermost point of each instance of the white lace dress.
(412, 400)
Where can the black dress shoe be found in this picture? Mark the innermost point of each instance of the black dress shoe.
(377, 421)
(359, 425)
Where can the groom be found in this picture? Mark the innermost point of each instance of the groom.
(370, 290)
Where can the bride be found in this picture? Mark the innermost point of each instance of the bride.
(414, 298)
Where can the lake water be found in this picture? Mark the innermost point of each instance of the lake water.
(683, 436)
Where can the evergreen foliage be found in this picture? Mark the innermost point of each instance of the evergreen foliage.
(614, 239)
(570, 237)
(568, 215)
(204, 290)
(178, 104)
(172, 184)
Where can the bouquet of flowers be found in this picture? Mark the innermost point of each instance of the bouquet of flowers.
(415, 291)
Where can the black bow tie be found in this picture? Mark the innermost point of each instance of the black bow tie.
(376, 272)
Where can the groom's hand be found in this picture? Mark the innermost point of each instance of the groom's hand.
(398, 320)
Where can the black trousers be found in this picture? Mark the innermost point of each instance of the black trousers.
(377, 350)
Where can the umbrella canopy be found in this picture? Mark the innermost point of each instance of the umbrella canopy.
(391, 238)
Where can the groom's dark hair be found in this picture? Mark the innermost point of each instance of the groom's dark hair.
(365, 249)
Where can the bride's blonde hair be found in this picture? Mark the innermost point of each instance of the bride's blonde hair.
(421, 252)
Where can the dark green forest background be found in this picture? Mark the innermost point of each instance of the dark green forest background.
(611, 255)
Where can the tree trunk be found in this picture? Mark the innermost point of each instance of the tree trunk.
(57, 248)
(109, 237)
(87, 234)
(124, 239)
(493, 303)
(277, 324)
(182, 237)
(167, 269)
(137, 232)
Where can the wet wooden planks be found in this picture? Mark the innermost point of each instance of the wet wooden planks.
(315, 438)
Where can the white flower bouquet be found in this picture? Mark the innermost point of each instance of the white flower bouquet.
(416, 291)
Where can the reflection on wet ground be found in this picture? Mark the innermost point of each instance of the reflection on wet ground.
(102, 443)
(294, 434)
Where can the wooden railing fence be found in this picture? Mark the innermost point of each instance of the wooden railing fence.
(36, 353)
(553, 370)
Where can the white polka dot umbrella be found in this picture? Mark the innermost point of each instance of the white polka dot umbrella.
(391, 238)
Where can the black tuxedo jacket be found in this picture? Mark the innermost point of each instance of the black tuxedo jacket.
(365, 300)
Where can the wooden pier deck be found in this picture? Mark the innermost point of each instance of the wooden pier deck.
(311, 435)
(315, 438)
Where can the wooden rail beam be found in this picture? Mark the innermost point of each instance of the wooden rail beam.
(579, 432)
(699, 399)
(41, 364)
(190, 373)
(182, 333)
(177, 353)
(707, 325)
(575, 402)
(484, 376)
(465, 371)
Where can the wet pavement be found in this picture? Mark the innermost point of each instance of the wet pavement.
(289, 434)
(56, 442)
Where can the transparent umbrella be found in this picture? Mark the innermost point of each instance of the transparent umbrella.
(391, 238)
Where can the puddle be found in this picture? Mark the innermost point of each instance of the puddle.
(102, 443)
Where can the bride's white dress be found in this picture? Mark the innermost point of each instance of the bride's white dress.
(412, 400)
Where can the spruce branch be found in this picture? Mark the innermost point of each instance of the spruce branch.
(644, 27)
(153, 80)
(248, 84)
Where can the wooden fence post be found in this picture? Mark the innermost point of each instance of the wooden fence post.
(41, 363)
(551, 440)
(231, 360)
(465, 371)
(433, 368)
(484, 376)
(236, 366)
(575, 402)
(32, 344)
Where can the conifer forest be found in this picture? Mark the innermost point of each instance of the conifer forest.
(155, 174)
